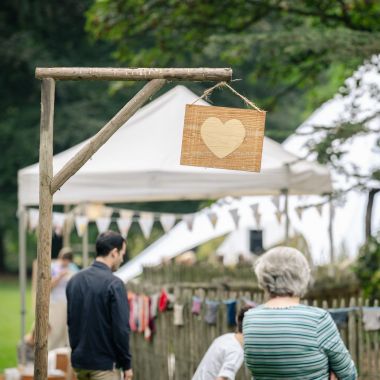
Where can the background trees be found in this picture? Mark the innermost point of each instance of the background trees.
(292, 55)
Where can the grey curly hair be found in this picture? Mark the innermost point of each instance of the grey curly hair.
(283, 271)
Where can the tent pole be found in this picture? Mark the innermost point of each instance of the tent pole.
(331, 235)
(66, 228)
(85, 247)
(22, 276)
(45, 229)
(286, 211)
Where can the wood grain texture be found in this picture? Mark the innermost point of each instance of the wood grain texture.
(213, 137)
(108, 73)
(45, 229)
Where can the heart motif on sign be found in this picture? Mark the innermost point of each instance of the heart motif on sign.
(222, 138)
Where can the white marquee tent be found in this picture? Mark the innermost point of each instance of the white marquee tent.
(140, 162)
(348, 228)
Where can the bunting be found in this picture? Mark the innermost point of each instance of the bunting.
(276, 202)
(319, 209)
(124, 224)
(81, 223)
(235, 216)
(278, 216)
(213, 217)
(33, 217)
(103, 224)
(167, 221)
(146, 221)
(58, 222)
(299, 211)
(189, 220)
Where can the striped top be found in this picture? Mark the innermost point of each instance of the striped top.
(297, 342)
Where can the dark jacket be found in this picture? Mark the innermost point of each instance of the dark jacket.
(98, 319)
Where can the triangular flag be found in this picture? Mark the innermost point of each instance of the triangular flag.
(103, 224)
(257, 217)
(319, 209)
(33, 218)
(146, 221)
(189, 220)
(279, 216)
(81, 223)
(213, 217)
(58, 222)
(123, 225)
(255, 208)
(235, 216)
(167, 221)
(126, 214)
(276, 202)
(299, 211)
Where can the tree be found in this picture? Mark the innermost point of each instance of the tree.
(284, 49)
(280, 46)
(39, 33)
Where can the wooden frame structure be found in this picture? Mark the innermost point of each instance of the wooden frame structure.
(49, 184)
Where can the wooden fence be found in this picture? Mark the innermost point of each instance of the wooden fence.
(175, 351)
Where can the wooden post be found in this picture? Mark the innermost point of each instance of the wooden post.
(22, 275)
(331, 234)
(101, 73)
(85, 248)
(286, 212)
(45, 228)
(105, 133)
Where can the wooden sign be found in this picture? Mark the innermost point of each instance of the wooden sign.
(225, 138)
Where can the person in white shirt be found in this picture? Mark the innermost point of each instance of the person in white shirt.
(61, 271)
(225, 356)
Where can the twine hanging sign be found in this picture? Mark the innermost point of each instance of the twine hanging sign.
(225, 138)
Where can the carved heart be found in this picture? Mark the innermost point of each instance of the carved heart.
(222, 139)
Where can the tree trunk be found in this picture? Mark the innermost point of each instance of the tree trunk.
(368, 218)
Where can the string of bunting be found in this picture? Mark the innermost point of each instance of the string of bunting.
(103, 216)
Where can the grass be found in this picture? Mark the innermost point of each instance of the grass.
(10, 320)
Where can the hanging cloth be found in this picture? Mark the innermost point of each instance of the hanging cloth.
(178, 315)
(211, 312)
(231, 312)
(196, 306)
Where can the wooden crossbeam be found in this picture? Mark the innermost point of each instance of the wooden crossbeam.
(98, 73)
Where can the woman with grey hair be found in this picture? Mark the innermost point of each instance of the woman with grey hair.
(284, 339)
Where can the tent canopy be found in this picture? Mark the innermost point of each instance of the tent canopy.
(140, 162)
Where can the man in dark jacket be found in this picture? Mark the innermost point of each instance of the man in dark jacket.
(98, 315)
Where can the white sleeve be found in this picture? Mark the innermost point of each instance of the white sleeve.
(231, 365)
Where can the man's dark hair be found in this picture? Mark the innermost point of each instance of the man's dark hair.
(107, 241)
(240, 317)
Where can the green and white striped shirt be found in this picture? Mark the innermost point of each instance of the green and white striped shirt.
(297, 342)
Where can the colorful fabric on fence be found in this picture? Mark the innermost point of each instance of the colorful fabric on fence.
(340, 317)
(163, 301)
(133, 311)
(196, 306)
(178, 315)
(211, 312)
(371, 319)
(154, 305)
(231, 312)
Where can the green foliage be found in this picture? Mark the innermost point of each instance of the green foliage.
(39, 33)
(10, 317)
(368, 268)
(292, 54)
